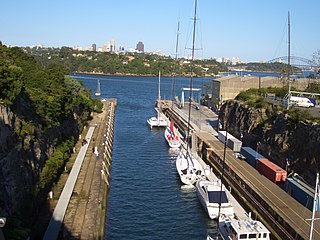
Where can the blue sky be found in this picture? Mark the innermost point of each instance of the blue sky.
(254, 30)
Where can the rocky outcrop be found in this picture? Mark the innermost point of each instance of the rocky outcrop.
(276, 136)
(23, 151)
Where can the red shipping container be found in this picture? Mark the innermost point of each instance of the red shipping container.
(271, 171)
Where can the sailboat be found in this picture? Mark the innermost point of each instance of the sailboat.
(158, 121)
(173, 140)
(188, 168)
(98, 93)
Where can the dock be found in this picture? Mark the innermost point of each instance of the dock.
(80, 210)
(279, 212)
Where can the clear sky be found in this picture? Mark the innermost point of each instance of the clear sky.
(252, 30)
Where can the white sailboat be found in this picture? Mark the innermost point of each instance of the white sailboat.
(211, 194)
(188, 168)
(172, 139)
(158, 121)
(98, 93)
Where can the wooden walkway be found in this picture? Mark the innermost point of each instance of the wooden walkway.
(60, 210)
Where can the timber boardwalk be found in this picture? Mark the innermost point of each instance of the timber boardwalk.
(80, 211)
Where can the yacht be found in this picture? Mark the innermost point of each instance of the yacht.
(214, 198)
(188, 168)
(172, 139)
(243, 229)
(158, 121)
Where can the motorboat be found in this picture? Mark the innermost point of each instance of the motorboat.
(214, 198)
(188, 168)
(236, 229)
(172, 139)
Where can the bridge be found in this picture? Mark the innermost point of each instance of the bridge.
(300, 62)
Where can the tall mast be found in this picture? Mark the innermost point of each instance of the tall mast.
(288, 70)
(289, 56)
(192, 65)
(175, 64)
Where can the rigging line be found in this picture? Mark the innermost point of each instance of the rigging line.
(277, 52)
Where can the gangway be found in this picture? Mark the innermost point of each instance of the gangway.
(192, 90)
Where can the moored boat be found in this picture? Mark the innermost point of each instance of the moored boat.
(243, 229)
(214, 198)
(172, 139)
(188, 168)
(158, 121)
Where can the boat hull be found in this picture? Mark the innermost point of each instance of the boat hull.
(157, 122)
(205, 189)
(173, 141)
(188, 168)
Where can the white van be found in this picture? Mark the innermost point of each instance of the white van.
(300, 102)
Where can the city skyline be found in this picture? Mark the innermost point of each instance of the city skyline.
(252, 31)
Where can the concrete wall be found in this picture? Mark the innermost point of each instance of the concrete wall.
(228, 87)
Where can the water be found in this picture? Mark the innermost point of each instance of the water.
(146, 200)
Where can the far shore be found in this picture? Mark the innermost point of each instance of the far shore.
(135, 75)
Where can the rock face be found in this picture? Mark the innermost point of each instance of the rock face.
(22, 155)
(276, 136)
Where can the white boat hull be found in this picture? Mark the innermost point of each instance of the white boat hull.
(157, 122)
(173, 141)
(237, 229)
(188, 168)
(211, 195)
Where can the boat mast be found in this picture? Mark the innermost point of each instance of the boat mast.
(175, 65)
(288, 70)
(191, 70)
(159, 97)
(316, 196)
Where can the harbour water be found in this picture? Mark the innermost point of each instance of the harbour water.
(146, 199)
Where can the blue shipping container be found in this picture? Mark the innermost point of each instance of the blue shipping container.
(300, 191)
(251, 155)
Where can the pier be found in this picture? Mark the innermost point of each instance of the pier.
(80, 211)
(283, 215)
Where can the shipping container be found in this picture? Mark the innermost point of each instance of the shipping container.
(300, 191)
(222, 136)
(250, 155)
(271, 171)
(232, 142)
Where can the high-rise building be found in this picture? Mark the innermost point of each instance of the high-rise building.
(94, 47)
(140, 47)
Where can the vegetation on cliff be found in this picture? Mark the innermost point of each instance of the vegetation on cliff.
(45, 110)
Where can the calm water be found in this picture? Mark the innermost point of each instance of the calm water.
(145, 199)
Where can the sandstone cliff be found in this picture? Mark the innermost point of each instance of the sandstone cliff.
(276, 136)
(23, 153)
